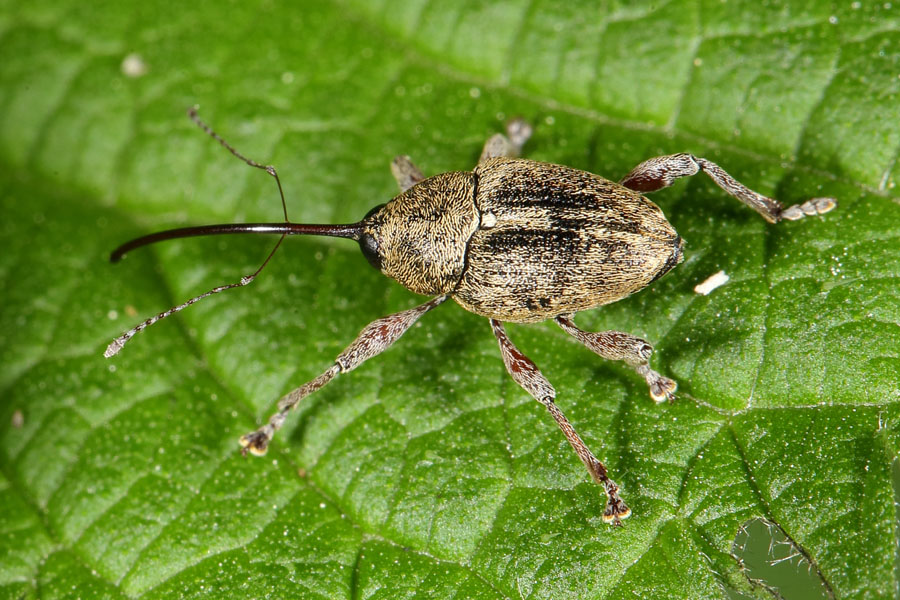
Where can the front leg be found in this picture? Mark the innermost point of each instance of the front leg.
(374, 339)
(526, 374)
(405, 172)
(660, 172)
(635, 352)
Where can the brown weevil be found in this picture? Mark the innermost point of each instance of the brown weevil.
(512, 240)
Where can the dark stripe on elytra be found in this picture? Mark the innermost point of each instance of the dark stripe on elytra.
(546, 197)
(501, 240)
(587, 224)
(606, 213)
(565, 245)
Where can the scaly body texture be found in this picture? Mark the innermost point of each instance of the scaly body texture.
(513, 240)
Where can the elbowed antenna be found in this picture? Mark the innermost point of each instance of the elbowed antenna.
(352, 232)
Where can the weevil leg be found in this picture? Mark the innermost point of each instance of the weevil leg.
(405, 172)
(374, 339)
(657, 173)
(517, 133)
(526, 374)
(635, 352)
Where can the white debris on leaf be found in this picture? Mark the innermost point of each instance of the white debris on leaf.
(133, 65)
(712, 282)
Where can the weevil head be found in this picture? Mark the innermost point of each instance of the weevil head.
(419, 238)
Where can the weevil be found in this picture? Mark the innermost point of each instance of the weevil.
(513, 240)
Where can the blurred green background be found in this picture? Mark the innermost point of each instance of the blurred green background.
(427, 472)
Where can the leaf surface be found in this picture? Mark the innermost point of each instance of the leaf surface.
(427, 472)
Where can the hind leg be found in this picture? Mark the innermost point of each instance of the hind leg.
(635, 352)
(662, 171)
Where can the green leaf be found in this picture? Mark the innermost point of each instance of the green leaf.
(428, 472)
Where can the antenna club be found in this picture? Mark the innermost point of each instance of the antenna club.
(114, 347)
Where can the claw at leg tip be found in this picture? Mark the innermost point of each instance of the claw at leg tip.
(615, 517)
(253, 443)
(823, 205)
(663, 390)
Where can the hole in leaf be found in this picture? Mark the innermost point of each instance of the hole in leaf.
(773, 561)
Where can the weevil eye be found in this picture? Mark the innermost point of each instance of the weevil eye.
(367, 242)
(369, 246)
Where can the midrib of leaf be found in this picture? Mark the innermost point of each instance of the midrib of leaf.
(417, 54)
(423, 55)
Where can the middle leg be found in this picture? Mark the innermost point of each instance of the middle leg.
(526, 374)
(517, 133)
